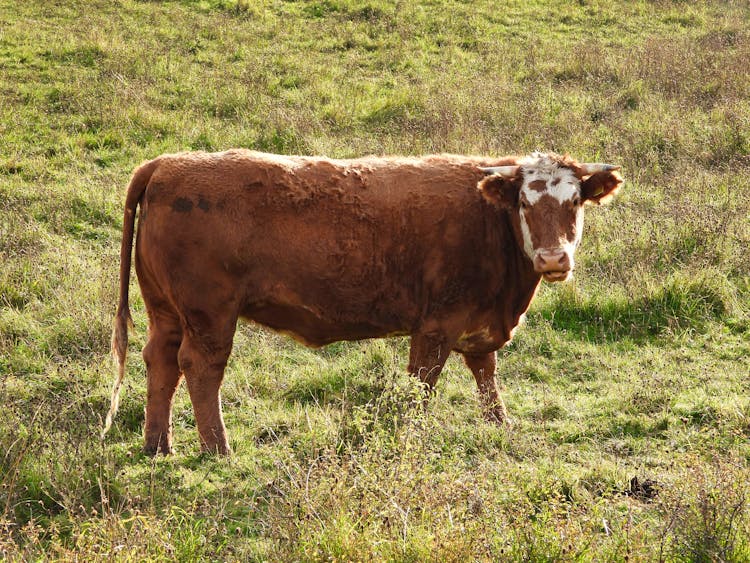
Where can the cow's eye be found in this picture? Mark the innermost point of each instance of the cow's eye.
(524, 205)
(576, 201)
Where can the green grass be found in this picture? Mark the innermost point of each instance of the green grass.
(636, 369)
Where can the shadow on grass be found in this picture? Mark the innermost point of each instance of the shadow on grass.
(329, 386)
(680, 304)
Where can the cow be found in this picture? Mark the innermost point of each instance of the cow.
(449, 250)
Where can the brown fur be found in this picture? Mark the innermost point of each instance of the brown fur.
(538, 185)
(547, 214)
(323, 250)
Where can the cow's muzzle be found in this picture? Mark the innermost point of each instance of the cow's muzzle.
(555, 264)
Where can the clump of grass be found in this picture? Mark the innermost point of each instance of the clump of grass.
(706, 515)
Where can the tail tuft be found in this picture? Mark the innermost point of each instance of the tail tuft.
(119, 353)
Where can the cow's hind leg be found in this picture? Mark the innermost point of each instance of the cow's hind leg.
(483, 368)
(163, 374)
(203, 356)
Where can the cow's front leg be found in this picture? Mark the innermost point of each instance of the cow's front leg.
(483, 368)
(203, 357)
(427, 356)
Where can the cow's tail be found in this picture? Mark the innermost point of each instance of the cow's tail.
(122, 319)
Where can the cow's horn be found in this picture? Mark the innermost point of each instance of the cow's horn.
(594, 167)
(506, 171)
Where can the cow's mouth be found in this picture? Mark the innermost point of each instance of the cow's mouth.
(556, 276)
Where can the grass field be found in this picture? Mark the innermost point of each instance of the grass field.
(628, 386)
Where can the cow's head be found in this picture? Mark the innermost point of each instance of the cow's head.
(544, 196)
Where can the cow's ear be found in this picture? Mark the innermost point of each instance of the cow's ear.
(499, 191)
(601, 187)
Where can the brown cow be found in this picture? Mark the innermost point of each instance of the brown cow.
(447, 249)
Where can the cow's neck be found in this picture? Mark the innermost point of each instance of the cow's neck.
(519, 282)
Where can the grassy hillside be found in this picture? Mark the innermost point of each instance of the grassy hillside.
(628, 386)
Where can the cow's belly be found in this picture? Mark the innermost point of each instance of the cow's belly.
(315, 329)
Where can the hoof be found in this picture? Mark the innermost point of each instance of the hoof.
(157, 450)
(216, 449)
(499, 417)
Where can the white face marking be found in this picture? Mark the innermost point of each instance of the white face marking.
(570, 250)
(579, 225)
(570, 246)
(561, 183)
(528, 246)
